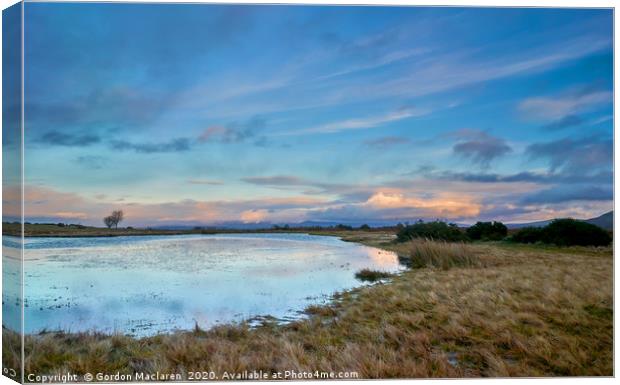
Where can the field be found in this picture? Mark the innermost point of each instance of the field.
(462, 310)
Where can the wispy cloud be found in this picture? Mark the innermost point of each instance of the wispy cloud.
(205, 182)
(361, 123)
(444, 72)
(277, 180)
(565, 122)
(385, 60)
(387, 141)
(564, 106)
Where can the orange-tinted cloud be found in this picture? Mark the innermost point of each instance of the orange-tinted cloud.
(440, 205)
(254, 216)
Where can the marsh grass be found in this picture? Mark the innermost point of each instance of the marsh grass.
(368, 275)
(496, 311)
(443, 255)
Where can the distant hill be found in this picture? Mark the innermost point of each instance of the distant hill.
(605, 221)
(528, 224)
(267, 225)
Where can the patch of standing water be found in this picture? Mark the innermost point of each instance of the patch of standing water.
(157, 284)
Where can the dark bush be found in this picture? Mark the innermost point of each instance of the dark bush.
(571, 232)
(528, 235)
(431, 230)
(564, 232)
(487, 231)
(368, 275)
(344, 227)
(364, 227)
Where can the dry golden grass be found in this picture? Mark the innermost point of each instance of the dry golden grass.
(444, 255)
(499, 310)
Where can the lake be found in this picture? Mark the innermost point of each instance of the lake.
(157, 284)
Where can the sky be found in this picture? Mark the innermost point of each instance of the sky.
(210, 114)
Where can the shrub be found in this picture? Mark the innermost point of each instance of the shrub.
(372, 275)
(571, 232)
(565, 232)
(491, 231)
(344, 227)
(436, 230)
(528, 235)
(364, 227)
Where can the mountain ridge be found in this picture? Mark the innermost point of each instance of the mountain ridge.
(605, 221)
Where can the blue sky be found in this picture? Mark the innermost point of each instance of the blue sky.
(206, 114)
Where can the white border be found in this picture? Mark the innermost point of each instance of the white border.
(464, 3)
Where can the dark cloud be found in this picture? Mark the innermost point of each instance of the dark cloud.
(525, 176)
(565, 122)
(504, 210)
(91, 161)
(488, 177)
(386, 141)
(175, 145)
(575, 156)
(57, 138)
(235, 132)
(480, 147)
(564, 194)
(100, 107)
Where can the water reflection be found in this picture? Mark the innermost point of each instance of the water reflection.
(146, 285)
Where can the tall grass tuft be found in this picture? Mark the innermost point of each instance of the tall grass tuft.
(369, 275)
(440, 254)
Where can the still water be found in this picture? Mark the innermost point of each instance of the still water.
(153, 284)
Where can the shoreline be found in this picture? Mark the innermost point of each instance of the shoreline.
(71, 231)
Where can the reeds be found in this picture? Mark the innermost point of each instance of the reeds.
(442, 255)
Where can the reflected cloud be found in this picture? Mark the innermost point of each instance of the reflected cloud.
(383, 258)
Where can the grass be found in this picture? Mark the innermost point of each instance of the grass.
(475, 310)
(368, 275)
(444, 255)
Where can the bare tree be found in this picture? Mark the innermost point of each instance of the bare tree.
(109, 221)
(114, 219)
(118, 217)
